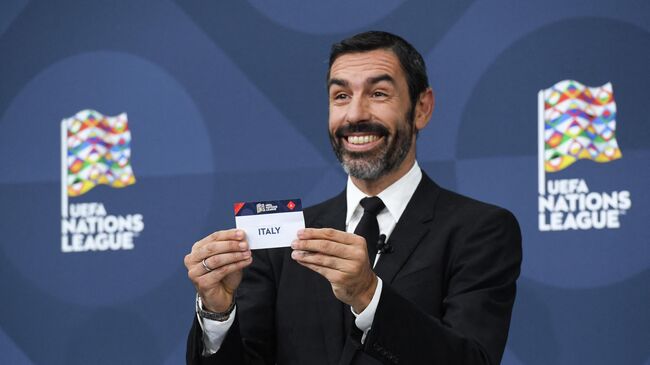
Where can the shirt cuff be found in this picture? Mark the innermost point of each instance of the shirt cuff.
(214, 332)
(363, 320)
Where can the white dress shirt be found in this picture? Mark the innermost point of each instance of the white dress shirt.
(395, 198)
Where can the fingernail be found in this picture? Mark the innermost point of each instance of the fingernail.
(239, 234)
(246, 254)
(301, 232)
(243, 245)
(294, 255)
(294, 244)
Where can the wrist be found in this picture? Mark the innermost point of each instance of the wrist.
(221, 315)
(366, 296)
(217, 302)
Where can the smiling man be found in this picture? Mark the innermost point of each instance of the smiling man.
(372, 117)
(395, 269)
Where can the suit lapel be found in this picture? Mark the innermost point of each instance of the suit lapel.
(410, 229)
(330, 308)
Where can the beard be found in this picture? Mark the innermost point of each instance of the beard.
(386, 157)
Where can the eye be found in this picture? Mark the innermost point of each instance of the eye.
(379, 94)
(340, 96)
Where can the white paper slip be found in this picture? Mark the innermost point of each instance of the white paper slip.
(270, 224)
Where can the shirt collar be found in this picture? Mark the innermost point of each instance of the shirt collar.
(395, 197)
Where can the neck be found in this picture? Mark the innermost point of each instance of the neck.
(376, 186)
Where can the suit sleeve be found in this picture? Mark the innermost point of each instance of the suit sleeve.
(253, 341)
(484, 263)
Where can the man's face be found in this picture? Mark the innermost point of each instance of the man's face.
(370, 117)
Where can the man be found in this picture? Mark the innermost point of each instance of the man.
(443, 283)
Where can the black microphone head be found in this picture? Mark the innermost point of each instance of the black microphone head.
(382, 246)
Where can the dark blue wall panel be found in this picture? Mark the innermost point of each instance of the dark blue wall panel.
(226, 102)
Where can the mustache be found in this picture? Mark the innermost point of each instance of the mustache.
(365, 127)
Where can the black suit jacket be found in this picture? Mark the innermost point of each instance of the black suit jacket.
(448, 291)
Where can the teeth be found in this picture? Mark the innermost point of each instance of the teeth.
(362, 139)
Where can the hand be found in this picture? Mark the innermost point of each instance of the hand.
(342, 258)
(226, 253)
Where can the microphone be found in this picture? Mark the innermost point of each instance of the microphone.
(382, 246)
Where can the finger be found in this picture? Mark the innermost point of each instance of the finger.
(212, 249)
(221, 247)
(333, 276)
(225, 235)
(228, 234)
(324, 261)
(217, 261)
(326, 247)
(329, 234)
(199, 272)
(221, 272)
(208, 280)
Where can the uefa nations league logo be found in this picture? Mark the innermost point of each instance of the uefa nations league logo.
(95, 150)
(577, 122)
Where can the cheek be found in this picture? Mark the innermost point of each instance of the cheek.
(335, 119)
(331, 125)
(390, 119)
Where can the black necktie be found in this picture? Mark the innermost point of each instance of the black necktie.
(368, 227)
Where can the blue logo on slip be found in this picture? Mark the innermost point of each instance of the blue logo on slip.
(267, 207)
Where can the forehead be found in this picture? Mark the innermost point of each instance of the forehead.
(362, 65)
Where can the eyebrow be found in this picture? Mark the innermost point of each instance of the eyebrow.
(380, 78)
(370, 81)
(338, 82)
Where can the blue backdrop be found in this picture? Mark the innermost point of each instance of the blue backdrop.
(226, 102)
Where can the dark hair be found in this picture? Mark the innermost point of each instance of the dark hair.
(409, 58)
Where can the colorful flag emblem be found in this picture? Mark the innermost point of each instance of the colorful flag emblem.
(579, 123)
(98, 151)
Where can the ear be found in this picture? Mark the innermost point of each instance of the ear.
(424, 108)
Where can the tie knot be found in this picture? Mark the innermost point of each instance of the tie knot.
(372, 205)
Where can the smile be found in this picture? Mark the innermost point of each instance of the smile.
(363, 139)
(362, 142)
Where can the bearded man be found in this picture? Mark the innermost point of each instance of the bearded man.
(393, 270)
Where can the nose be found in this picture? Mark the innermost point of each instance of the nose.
(358, 110)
